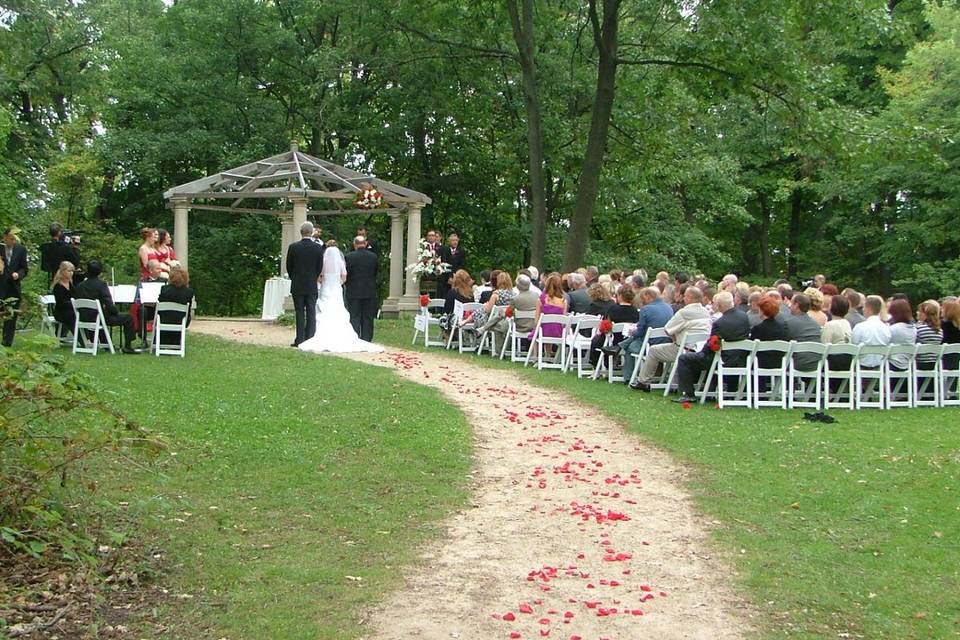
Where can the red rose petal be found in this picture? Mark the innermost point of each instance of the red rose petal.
(509, 617)
(514, 634)
(525, 608)
(544, 621)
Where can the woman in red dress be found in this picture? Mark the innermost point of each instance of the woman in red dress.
(147, 250)
(164, 252)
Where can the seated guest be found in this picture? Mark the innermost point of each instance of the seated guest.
(828, 290)
(621, 312)
(837, 330)
(950, 324)
(653, 314)
(872, 331)
(692, 318)
(772, 327)
(177, 290)
(487, 290)
(491, 316)
(855, 301)
(728, 283)
(525, 300)
(928, 331)
(483, 287)
(63, 294)
(93, 288)
(600, 302)
(816, 306)
(802, 328)
(753, 313)
(553, 302)
(142, 314)
(902, 331)
(732, 325)
(578, 296)
(741, 297)
(461, 290)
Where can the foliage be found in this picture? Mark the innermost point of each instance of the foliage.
(51, 423)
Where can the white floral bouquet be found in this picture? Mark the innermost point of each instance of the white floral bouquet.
(368, 198)
(428, 262)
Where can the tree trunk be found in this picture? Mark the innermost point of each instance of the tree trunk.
(766, 262)
(793, 239)
(102, 210)
(605, 37)
(523, 36)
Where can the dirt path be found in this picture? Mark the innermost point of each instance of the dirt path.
(576, 529)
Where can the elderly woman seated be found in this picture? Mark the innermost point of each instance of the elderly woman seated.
(492, 316)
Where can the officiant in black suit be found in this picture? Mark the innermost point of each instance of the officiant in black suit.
(454, 255)
(361, 288)
(14, 270)
(304, 265)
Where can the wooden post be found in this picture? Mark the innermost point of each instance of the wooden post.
(391, 306)
(411, 297)
(181, 209)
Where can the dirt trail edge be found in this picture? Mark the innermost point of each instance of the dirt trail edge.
(576, 529)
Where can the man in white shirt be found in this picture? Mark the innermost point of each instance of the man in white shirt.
(872, 331)
(693, 317)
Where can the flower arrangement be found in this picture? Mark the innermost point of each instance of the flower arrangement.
(368, 198)
(424, 300)
(714, 343)
(428, 262)
(606, 326)
(508, 312)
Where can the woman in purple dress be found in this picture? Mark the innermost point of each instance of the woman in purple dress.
(552, 301)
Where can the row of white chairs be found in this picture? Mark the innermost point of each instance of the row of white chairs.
(87, 334)
(819, 384)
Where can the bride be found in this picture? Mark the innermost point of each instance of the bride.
(334, 331)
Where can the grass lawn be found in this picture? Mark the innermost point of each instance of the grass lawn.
(847, 530)
(299, 487)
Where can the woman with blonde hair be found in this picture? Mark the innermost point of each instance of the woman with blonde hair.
(816, 305)
(501, 296)
(63, 294)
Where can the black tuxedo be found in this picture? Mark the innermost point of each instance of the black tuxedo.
(11, 288)
(733, 325)
(304, 266)
(96, 289)
(361, 291)
(457, 259)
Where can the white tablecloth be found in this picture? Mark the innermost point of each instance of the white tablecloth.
(274, 291)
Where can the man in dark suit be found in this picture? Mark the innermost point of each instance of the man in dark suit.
(454, 255)
(304, 265)
(93, 288)
(362, 231)
(58, 250)
(361, 288)
(14, 270)
(802, 328)
(732, 325)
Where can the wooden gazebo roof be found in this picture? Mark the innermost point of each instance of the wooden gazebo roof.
(284, 177)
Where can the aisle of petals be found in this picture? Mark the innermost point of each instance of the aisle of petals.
(565, 539)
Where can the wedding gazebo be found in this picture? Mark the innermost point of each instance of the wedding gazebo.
(293, 186)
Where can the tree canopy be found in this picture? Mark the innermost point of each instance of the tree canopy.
(759, 137)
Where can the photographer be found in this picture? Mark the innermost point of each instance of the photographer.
(59, 249)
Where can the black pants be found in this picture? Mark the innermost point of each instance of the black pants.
(362, 312)
(689, 368)
(305, 311)
(124, 320)
(10, 324)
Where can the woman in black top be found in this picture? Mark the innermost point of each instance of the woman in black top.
(622, 311)
(769, 329)
(461, 290)
(63, 294)
(179, 291)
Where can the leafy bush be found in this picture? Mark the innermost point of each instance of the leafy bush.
(51, 422)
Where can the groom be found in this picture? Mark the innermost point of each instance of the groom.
(304, 265)
(361, 288)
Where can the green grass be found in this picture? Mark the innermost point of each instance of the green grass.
(291, 472)
(851, 528)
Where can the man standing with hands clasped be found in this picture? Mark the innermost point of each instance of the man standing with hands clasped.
(13, 269)
(361, 288)
(304, 265)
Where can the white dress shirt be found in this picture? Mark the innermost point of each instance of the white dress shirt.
(872, 331)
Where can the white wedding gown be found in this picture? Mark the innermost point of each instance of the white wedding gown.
(334, 331)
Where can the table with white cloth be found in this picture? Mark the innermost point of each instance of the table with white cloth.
(274, 292)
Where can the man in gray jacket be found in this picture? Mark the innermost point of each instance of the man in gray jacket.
(802, 328)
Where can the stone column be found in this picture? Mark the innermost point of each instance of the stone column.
(299, 214)
(411, 296)
(181, 208)
(391, 306)
(286, 239)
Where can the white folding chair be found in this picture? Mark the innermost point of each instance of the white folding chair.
(81, 344)
(742, 396)
(540, 341)
(873, 395)
(804, 382)
(651, 334)
(424, 320)
(775, 395)
(514, 337)
(176, 327)
(899, 384)
(578, 344)
(48, 324)
(927, 381)
(950, 376)
(688, 341)
(460, 311)
(608, 363)
(847, 377)
(488, 339)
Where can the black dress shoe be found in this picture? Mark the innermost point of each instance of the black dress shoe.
(612, 350)
(294, 345)
(683, 399)
(640, 386)
(129, 350)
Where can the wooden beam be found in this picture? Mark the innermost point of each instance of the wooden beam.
(214, 207)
